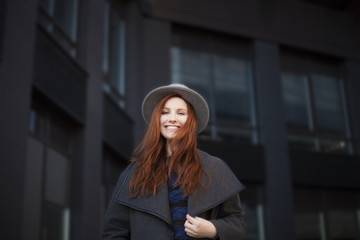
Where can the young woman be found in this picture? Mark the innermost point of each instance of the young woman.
(172, 190)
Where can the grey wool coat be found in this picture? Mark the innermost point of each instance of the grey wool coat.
(148, 218)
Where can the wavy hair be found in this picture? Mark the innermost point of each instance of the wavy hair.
(154, 168)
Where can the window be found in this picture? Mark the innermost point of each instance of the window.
(309, 215)
(59, 18)
(253, 206)
(54, 135)
(219, 68)
(114, 52)
(327, 214)
(315, 106)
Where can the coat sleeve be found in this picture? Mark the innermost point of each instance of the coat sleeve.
(117, 220)
(229, 223)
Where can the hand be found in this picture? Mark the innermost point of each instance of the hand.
(199, 228)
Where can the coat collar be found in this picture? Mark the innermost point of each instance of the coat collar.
(223, 185)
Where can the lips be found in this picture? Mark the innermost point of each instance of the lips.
(172, 127)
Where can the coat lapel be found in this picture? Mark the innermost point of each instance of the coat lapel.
(157, 205)
(224, 184)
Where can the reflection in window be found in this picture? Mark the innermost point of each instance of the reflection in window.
(114, 52)
(59, 18)
(315, 107)
(220, 70)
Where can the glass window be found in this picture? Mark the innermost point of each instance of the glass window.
(309, 215)
(297, 102)
(342, 216)
(220, 70)
(55, 134)
(314, 101)
(59, 18)
(328, 103)
(49, 127)
(114, 52)
(326, 214)
(55, 222)
(253, 206)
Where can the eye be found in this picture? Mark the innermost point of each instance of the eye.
(164, 112)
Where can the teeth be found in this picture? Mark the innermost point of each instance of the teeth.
(172, 127)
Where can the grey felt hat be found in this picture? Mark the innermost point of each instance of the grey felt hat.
(195, 99)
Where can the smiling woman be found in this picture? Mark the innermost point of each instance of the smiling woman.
(172, 190)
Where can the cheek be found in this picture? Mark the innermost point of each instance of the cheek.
(162, 119)
(183, 119)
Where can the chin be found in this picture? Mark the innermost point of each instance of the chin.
(169, 137)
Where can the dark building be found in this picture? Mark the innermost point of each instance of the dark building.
(282, 79)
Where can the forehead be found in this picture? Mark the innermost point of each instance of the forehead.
(175, 102)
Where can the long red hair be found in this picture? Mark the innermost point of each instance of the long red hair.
(154, 167)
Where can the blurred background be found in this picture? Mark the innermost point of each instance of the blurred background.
(282, 79)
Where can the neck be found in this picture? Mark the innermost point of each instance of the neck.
(168, 149)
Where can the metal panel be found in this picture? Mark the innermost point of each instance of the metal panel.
(325, 170)
(59, 77)
(246, 161)
(118, 128)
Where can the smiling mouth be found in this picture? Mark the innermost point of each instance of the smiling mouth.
(172, 127)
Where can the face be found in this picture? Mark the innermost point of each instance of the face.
(173, 117)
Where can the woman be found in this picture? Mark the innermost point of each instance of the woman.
(172, 190)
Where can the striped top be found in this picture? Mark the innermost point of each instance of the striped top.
(178, 209)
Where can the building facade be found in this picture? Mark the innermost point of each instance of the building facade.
(281, 78)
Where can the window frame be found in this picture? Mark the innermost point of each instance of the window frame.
(214, 45)
(116, 93)
(42, 120)
(307, 65)
(47, 21)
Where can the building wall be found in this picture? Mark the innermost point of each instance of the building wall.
(92, 136)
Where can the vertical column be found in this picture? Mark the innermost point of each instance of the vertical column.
(87, 193)
(352, 88)
(156, 57)
(134, 73)
(278, 186)
(157, 44)
(16, 69)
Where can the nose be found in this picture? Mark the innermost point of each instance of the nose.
(173, 118)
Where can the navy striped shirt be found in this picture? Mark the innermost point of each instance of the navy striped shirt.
(178, 209)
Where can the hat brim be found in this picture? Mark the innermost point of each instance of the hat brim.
(195, 99)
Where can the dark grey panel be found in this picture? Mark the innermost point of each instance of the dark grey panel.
(118, 128)
(2, 25)
(324, 170)
(58, 77)
(246, 161)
